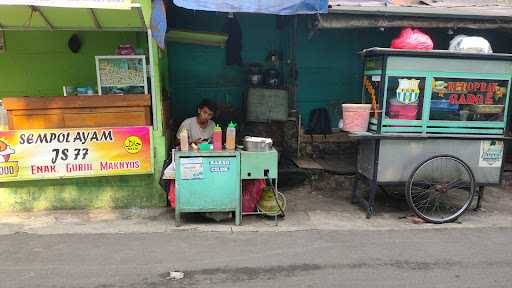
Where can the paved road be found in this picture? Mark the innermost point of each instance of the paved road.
(412, 258)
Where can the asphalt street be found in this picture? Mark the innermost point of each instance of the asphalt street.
(393, 258)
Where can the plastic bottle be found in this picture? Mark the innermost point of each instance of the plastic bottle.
(231, 136)
(184, 140)
(217, 138)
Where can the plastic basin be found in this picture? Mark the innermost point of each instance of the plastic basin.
(356, 117)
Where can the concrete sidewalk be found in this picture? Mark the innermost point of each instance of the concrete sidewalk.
(325, 206)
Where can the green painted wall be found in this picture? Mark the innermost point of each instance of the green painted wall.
(329, 68)
(197, 71)
(88, 193)
(328, 64)
(39, 64)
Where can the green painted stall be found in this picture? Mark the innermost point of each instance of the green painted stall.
(36, 61)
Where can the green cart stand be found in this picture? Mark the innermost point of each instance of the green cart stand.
(208, 182)
(261, 165)
(438, 126)
(211, 181)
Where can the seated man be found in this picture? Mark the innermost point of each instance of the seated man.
(200, 130)
(199, 127)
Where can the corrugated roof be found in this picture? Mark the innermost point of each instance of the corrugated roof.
(435, 3)
(29, 17)
(427, 8)
(475, 14)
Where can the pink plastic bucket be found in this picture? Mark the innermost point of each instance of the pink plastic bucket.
(356, 117)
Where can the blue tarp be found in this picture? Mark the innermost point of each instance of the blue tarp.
(280, 7)
(158, 22)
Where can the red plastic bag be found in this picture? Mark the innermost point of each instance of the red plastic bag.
(172, 193)
(251, 194)
(412, 39)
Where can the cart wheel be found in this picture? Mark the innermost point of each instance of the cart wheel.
(440, 189)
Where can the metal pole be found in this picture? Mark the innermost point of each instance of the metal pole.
(48, 23)
(299, 135)
(95, 19)
(152, 75)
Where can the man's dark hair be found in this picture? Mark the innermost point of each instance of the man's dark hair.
(208, 104)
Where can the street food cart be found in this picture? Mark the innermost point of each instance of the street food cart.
(210, 181)
(438, 124)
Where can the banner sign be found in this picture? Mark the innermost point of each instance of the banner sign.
(100, 4)
(59, 153)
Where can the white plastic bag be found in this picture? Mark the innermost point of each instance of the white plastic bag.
(470, 44)
(170, 171)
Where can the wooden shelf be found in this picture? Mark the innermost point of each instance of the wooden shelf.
(90, 101)
(78, 111)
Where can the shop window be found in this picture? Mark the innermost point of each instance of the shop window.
(456, 99)
(405, 97)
